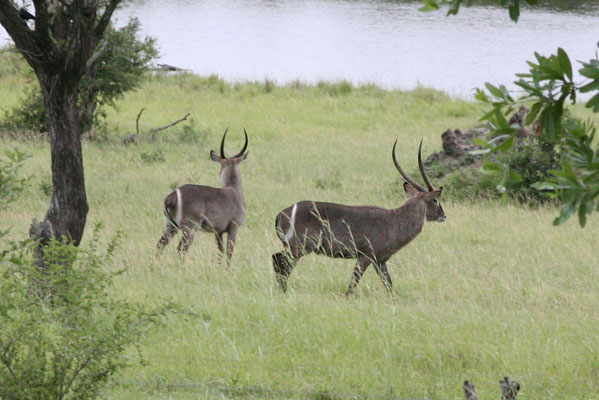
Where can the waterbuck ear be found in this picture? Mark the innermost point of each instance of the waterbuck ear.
(214, 157)
(434, 194)
(243, 156)
(410, 190)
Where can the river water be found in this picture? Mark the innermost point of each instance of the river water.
(389, 43)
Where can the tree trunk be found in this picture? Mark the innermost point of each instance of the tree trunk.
(68, 208)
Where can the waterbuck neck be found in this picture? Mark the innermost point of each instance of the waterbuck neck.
(230, 176)
(410, 219)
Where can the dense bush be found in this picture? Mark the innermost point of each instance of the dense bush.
(63, 333)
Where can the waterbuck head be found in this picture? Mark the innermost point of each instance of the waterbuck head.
(229, 170)
(434, 210)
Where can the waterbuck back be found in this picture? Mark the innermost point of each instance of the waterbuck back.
(191, 208)
(369, 234)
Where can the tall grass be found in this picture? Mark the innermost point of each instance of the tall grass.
(493, 291)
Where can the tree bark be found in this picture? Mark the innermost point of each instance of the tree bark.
(68, 208)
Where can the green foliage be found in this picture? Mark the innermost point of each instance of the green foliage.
(120, 68)
(11, 184)
(454, 6)
(63, 333)
(518, 167)
(548, 85)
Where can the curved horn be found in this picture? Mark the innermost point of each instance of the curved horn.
(222, 144)
(245, 146)
(401, 171)
(429, 185)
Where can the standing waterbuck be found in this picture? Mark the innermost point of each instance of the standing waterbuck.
(190, 208)
(367, 233)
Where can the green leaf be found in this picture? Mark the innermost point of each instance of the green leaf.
(543, 186)
(534, 111)
(480, 95)
(506, 145)
(566, 212)
(593, 103)
(480, 142)
(494, 90)
(564, 62)
(514, 11)
(429, 5)
(492, 167)
(590, 87)
(589, 72)
(585, 208)
(502, 122)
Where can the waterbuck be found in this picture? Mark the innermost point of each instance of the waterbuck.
(190, 208)
(369, 234)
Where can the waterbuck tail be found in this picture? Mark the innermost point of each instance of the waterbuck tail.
(173, 203)
(286, 235)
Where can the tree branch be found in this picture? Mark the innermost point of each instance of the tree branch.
(97, 54)
(42, 28)
(155, 130)
(137, 120)
(19, 31)
(105, 18)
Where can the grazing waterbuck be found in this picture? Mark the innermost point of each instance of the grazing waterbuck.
(190, 208)
(369, 234)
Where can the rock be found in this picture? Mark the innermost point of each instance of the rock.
(458, 145)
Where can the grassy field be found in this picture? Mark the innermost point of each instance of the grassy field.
(495, 290)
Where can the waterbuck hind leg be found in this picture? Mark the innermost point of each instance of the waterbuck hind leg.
(381, 270)
(282, 264)
(186, 241)
(363, 263)
(169, 232)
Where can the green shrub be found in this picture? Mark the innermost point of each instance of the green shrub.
(335, 89)
(190, 134)
(63, 333)
(45, 185)
(531, 161)
(153, 157)
(11, 184)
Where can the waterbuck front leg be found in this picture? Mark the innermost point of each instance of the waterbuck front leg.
(231, 236)
(363, 263)
(381, 269)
